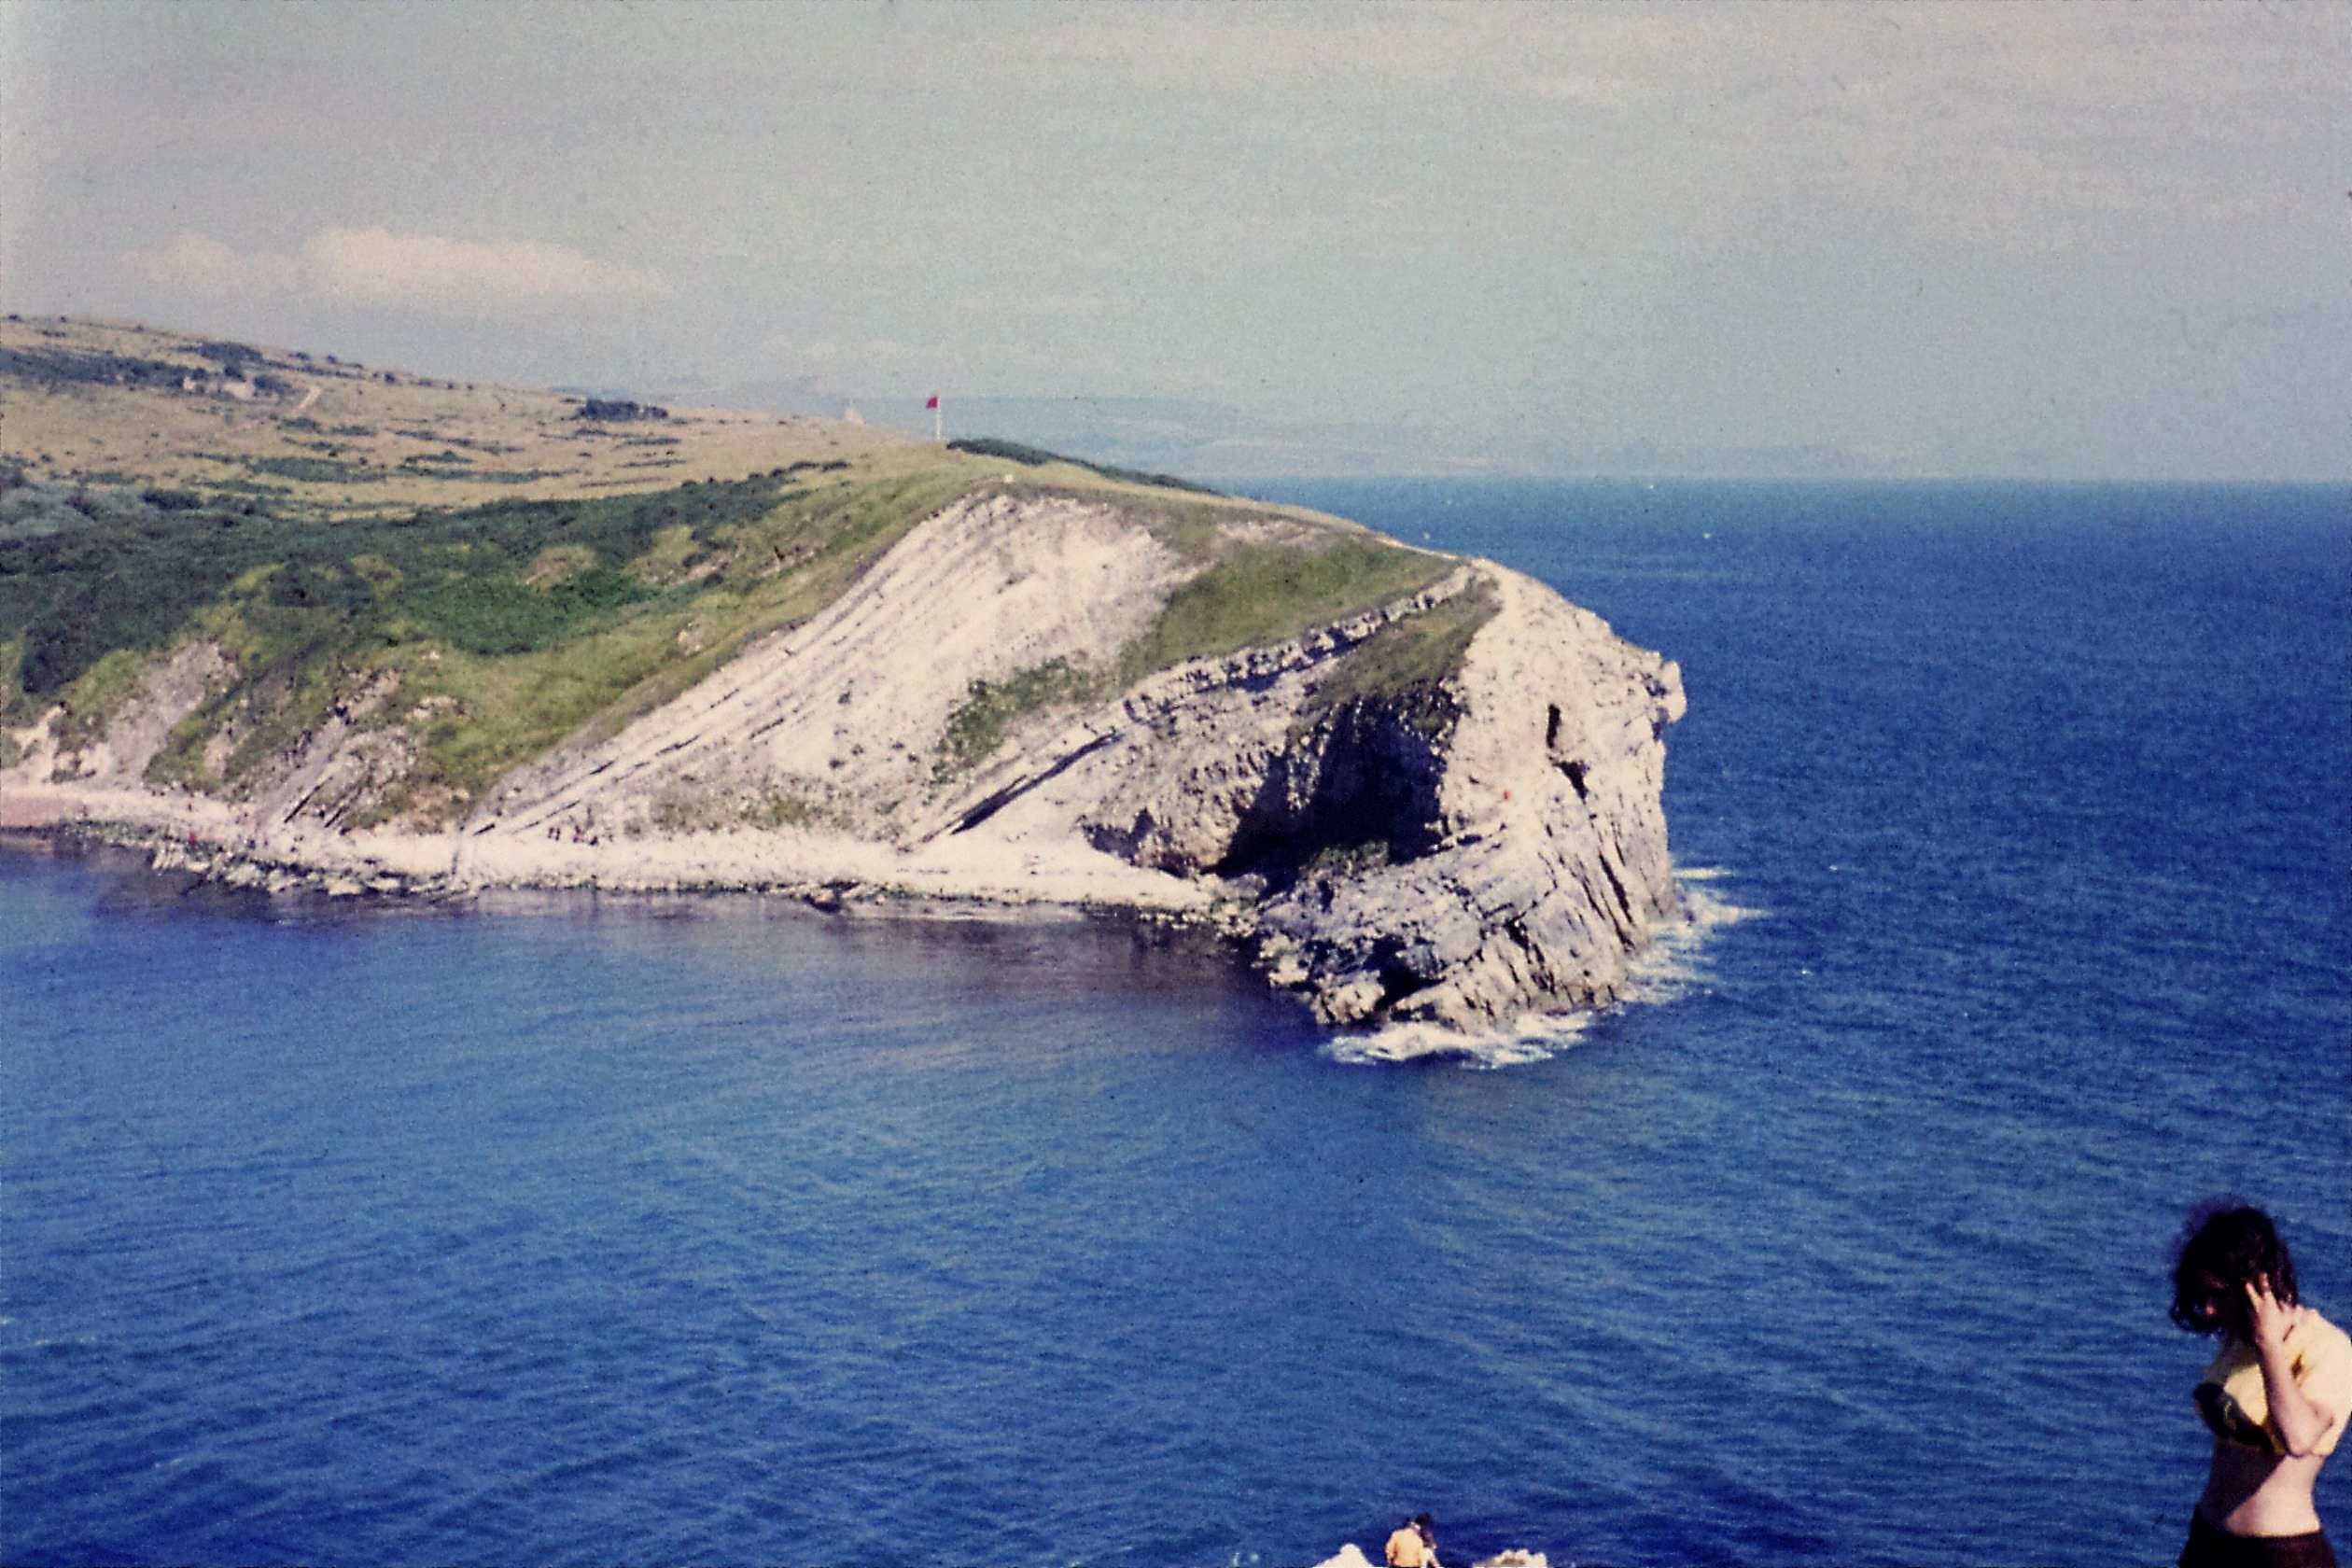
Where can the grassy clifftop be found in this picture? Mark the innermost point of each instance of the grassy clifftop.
(522, 567)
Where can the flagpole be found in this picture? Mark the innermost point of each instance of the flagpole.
(937, 416)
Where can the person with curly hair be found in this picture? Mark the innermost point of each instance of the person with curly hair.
(2277, 1394)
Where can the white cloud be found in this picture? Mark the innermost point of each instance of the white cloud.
(195, 265)
(378, 268)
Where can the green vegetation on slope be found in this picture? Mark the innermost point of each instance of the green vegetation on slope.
(503, 615)
(514, 625)
(1267, 592)
(97, 693)
(1411, 658)
(138, 515)
(1259, 593)
(132, 574)
(990, 707)
(509, 626)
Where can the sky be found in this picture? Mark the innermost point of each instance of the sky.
(2015, 240)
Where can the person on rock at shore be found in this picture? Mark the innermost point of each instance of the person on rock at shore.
(1413, 1544)
(2276, 1395)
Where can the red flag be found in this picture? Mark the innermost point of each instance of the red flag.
(933, 403)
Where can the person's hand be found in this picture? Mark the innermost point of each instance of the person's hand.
(2266, 1315)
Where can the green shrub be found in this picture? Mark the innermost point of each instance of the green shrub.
(310, 583)
(500, 615)
(96, 695)
(230, 356)
(180, 760)
(315, 471)
(286, 701)
(64, 367)
(978, 726)
(780, 809)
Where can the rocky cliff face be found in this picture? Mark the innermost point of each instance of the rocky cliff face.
(1543, 864)
(1445, 808)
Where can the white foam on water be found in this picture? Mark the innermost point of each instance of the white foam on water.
(1530, 1037)
(1676, 961)
(1673, 966)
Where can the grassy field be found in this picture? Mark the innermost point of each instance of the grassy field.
(103, 403)
(521, 574)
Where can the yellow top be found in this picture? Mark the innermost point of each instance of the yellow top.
(2233, 1403)
(1407, 1549)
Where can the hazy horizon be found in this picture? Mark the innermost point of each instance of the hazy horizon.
(1842, 241)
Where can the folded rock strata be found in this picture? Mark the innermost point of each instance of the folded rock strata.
(1458, 849)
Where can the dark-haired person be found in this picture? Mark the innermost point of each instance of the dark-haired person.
(2276, 1395)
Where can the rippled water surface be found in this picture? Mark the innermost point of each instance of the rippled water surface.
(584, 1231)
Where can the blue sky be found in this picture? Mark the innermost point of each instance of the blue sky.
(2012, 240)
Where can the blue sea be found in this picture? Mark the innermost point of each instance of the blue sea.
(579, 1230)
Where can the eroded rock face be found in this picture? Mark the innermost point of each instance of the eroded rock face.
(840, 717)
(1551, 863)
(1508, 855)
(119, 754)
(1458, 849)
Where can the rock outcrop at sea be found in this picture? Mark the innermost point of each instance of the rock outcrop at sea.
(1459, 850)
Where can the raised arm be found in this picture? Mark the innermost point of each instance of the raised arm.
(2300, 1421)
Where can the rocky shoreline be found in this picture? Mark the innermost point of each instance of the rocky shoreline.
(1458, 852)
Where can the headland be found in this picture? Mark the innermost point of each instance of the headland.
(281, 619)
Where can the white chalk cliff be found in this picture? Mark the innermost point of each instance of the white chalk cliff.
(1460, 851)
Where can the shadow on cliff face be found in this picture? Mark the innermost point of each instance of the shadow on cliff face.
(1359, 790)
(1355, 789)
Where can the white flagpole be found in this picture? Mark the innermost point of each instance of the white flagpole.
(937, 416)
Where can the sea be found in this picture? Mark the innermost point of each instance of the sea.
(2015, 823)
